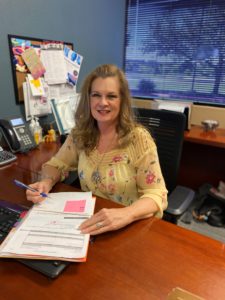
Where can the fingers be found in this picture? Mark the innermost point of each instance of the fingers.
(104, 220)
(95, 224)
(94, 227)
(35, 196)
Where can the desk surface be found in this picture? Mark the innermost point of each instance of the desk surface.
(145, 260)
(214, 138)
(34, 159)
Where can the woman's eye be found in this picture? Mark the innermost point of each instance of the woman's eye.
(99, 96)
(94, 95)
(111, 97)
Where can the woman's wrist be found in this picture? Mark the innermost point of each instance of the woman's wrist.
(130, 214)
(142, 209)
(48, 179)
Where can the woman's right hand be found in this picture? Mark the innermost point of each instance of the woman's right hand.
(42, 187)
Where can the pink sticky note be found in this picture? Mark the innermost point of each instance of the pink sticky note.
(75, 206)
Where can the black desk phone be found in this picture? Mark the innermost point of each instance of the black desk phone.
(17, 134)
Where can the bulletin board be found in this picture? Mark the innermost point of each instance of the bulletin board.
(19, 68)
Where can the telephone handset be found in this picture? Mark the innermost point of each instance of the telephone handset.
(17, 134)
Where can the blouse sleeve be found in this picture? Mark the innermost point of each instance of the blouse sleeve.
(150, 181)
(66, 159)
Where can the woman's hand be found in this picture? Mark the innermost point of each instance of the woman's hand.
(42, 187)
(106, 220)
(116, 218)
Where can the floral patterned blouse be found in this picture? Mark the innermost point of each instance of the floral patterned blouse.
(123, 175)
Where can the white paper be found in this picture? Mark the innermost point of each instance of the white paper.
(172, 106)
(73, 63)
(51, 228)
(54, 63)
(61, 91)
(36, 86)
(56, 202)
(35, 105)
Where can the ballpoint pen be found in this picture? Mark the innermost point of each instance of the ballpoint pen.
(27, 187)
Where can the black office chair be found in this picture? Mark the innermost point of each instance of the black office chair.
(167, 129)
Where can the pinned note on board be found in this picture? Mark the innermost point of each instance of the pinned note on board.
(33, 63)
(36, 85)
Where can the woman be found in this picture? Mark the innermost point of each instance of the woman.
(115, 157)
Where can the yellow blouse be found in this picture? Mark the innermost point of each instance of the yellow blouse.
(123, 175)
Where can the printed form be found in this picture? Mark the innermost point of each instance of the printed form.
(50, 229)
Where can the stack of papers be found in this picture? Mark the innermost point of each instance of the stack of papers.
(50, 229)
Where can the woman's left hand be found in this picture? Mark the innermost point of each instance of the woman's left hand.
(106, 220)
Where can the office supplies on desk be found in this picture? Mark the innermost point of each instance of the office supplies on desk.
(50, 229)
(17, 134)
(27, 187)
(10, 214)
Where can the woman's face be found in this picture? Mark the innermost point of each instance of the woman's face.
(105, 100)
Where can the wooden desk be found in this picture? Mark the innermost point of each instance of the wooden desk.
(213, 138)
(34, 159)
(142, 261)
(203, 158)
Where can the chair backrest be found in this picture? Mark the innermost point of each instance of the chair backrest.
(167, 129)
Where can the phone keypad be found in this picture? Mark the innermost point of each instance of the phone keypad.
(6, 157)
(26, 139)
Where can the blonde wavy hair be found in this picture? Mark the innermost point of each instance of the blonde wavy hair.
(86, 133)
